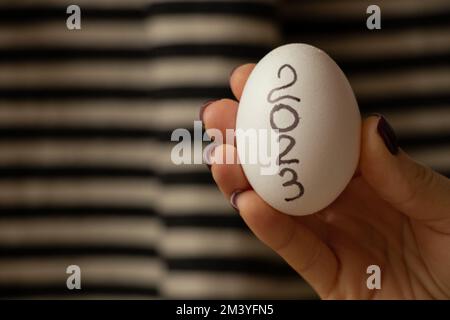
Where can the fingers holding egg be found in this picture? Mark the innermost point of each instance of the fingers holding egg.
(239, 77)
(226, 170)
(220, 115)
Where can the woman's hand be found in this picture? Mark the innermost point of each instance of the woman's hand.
(395, 213)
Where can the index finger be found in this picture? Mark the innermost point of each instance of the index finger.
(239, 77)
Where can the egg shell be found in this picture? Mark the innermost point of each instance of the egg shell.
(327, 136)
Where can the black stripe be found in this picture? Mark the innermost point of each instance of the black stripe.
(95, 172)
(46, 93)
(380, 103)
(211, 220)
(171, 219)
(427, 141)
(307, 26)
(405, 102)
(77, 172)
(185, 178)
(77, 211)
(445, 173)
(300, 22)
(242, 265)
(46, 251)
(378, 65)
(234, 8)
(56, 54)
(43, 14)
(67, 133)
(57, 133)
(197, 178)
(250, 52)
(16, 290)
(411, 99)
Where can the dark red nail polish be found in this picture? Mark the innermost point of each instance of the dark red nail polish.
(203, 108)
(388, 135)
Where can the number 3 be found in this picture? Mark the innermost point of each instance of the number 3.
(291, 182)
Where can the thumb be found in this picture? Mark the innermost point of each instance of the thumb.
(408, 186)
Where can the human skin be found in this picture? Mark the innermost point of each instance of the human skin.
(394, 213)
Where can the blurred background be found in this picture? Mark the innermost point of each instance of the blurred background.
(86, 117)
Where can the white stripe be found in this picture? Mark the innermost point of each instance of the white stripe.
(90, 192)
(391, 44)
(93, 34)
(121, 231)
(156, 31)
(221, 285)
(94, 270)
(418, 80)
(428, 80)
(357, 9)
(132, 154)
(165, 72)
(420, 121)
(116, 113)
(120, 153)
(170, 199)
(437, 158)
(53, 152)
(191, 242)
(176, 28)
(193, 198)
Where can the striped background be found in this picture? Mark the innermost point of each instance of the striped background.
(86, 118)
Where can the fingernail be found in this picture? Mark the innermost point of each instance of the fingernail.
(233, 70)
(207, 159)
(388, 135)
(233, 199)
(203, 108)
(209, 155)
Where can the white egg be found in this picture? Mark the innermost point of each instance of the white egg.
(299, 90)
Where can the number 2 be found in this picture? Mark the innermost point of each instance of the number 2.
(294, 80)
(286, 151)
